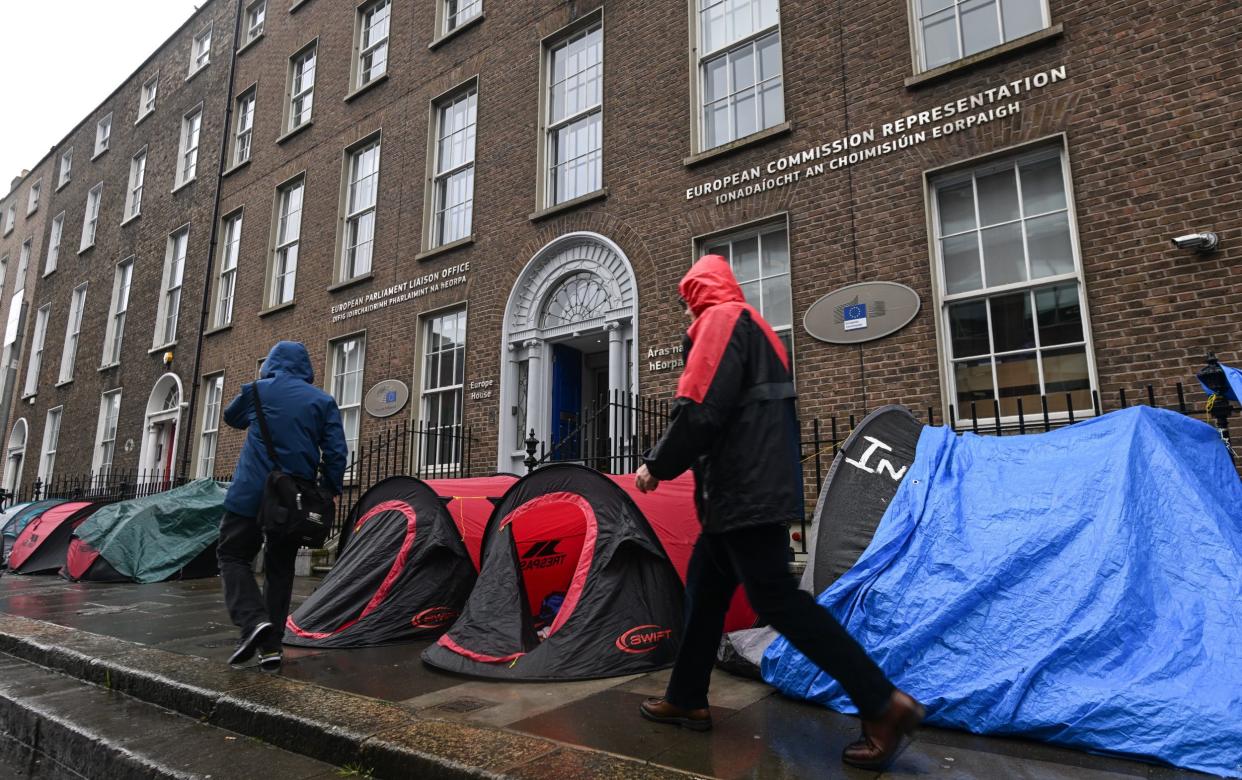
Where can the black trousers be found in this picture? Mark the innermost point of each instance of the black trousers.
(240, 539)
(758, 558)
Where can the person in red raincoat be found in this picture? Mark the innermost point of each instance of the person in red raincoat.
(734, 422)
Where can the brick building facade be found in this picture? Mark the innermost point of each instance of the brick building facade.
(493, 205)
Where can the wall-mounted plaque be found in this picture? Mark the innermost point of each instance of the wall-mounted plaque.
(386, 398)
(861, 312)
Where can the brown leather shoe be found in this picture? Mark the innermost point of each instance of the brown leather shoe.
(882, 737)
(661, 711)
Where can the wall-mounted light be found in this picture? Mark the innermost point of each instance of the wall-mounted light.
(1200, 242)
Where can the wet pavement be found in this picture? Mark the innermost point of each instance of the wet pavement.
(758, 733)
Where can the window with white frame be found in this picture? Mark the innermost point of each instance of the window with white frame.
(284, 268)
(453, 183)
(137, 174)
(114, 336)
(51, 439)
(245, 126)
(948, 30)
(362, 186)
(36, 350)
(103, 135)
(10, 218)
(4, 272)
(301, 87)
(23, 264)
(759, 258)
(1011, 292)
(227, 282)
(187, 160)
(32, 204)
(147, 102)
(458, 12)
(53, 248)
(372, 43)
(348, 359)
(73, 328)
(573, 147)
(443, 369)
(213, 396)
(740, 83)
(200, 54)
(256, 14)
(53, 243)
(66, 167)
(91, 218)
(174, 275)
(105, 432)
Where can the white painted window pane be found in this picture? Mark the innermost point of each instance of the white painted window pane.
(746, 259)
(968, 328)
(775, 253)
(1043, 186)
(980, 26)
(1048, 239)
(1003, 259)
(777, 305)
(1021, 17)
(940, 39)
(957, 208)
(961, 263)
(1059, 314)
(1013, 324)
(577, 162)
(998, 197)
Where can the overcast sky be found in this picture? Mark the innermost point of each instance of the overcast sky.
(61, 58)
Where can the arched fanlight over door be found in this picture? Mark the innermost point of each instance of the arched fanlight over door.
(581, 297)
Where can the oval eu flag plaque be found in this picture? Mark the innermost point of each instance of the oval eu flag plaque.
(386, 398)
(861, 312)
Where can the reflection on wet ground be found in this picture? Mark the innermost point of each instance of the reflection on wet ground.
(758, 733)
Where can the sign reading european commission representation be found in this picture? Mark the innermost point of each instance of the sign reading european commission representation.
(386, 398)
(861, 312)
(955, 116)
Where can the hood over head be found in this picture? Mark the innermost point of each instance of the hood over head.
(710, 282)
(288, 357)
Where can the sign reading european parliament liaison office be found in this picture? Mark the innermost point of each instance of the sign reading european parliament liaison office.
(404, 292)
(955, 116)
(861, 312)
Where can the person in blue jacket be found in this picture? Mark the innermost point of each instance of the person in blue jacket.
(305, 424)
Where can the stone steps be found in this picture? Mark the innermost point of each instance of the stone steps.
(54, 726)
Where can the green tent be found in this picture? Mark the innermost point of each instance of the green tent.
(151, 539)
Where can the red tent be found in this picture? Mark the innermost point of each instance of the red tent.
(44, 543)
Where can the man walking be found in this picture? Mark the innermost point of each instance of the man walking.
(305, 426)
(734, 422)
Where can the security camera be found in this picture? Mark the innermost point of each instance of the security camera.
(1200, 242)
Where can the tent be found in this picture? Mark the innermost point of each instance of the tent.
(5, 516)
(861, 482)
(43, 543)
(18, 518)
(581, 577)
(409, 564)
(158, 537)
(1079, 586)
(84, 563)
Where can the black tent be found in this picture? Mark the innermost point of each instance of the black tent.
(861, 482)
(576, 582)
(404, 574)
(42, 545)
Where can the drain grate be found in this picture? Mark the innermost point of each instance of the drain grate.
(462, 705)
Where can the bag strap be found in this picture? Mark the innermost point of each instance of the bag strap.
(264, 433)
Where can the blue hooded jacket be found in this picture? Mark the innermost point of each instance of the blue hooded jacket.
(304, 422)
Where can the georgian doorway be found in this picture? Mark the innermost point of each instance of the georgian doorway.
(569, 341)
(157, 459)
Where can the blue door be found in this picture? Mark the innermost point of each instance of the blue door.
(566, 403)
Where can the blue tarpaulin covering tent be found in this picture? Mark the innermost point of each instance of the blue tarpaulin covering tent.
(1082, 586)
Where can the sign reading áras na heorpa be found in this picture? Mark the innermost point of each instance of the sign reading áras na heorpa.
(386, 398)
(861, 312)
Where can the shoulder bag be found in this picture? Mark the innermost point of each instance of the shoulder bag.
(293, 508)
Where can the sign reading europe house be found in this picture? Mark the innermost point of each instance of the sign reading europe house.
(861, 312)
(386, 398)
(917, 127)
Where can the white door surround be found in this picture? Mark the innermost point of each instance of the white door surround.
(161, 429)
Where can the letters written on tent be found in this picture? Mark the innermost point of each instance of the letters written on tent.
(861, 483)
(43, 544)
(406, 571)
(575, 582)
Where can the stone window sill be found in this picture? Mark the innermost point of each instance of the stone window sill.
(742, 143)
(183, 185)
(966, 63)
(448, 36)
(162, 347)
(236, 168)
(197, 71)
(277, 308)
(569, 205)
(295, 131)
(368, 276)
(380, 79)
(109, 366)
(250, 43)
(218, 329)
(445, 248)
(143, 116)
